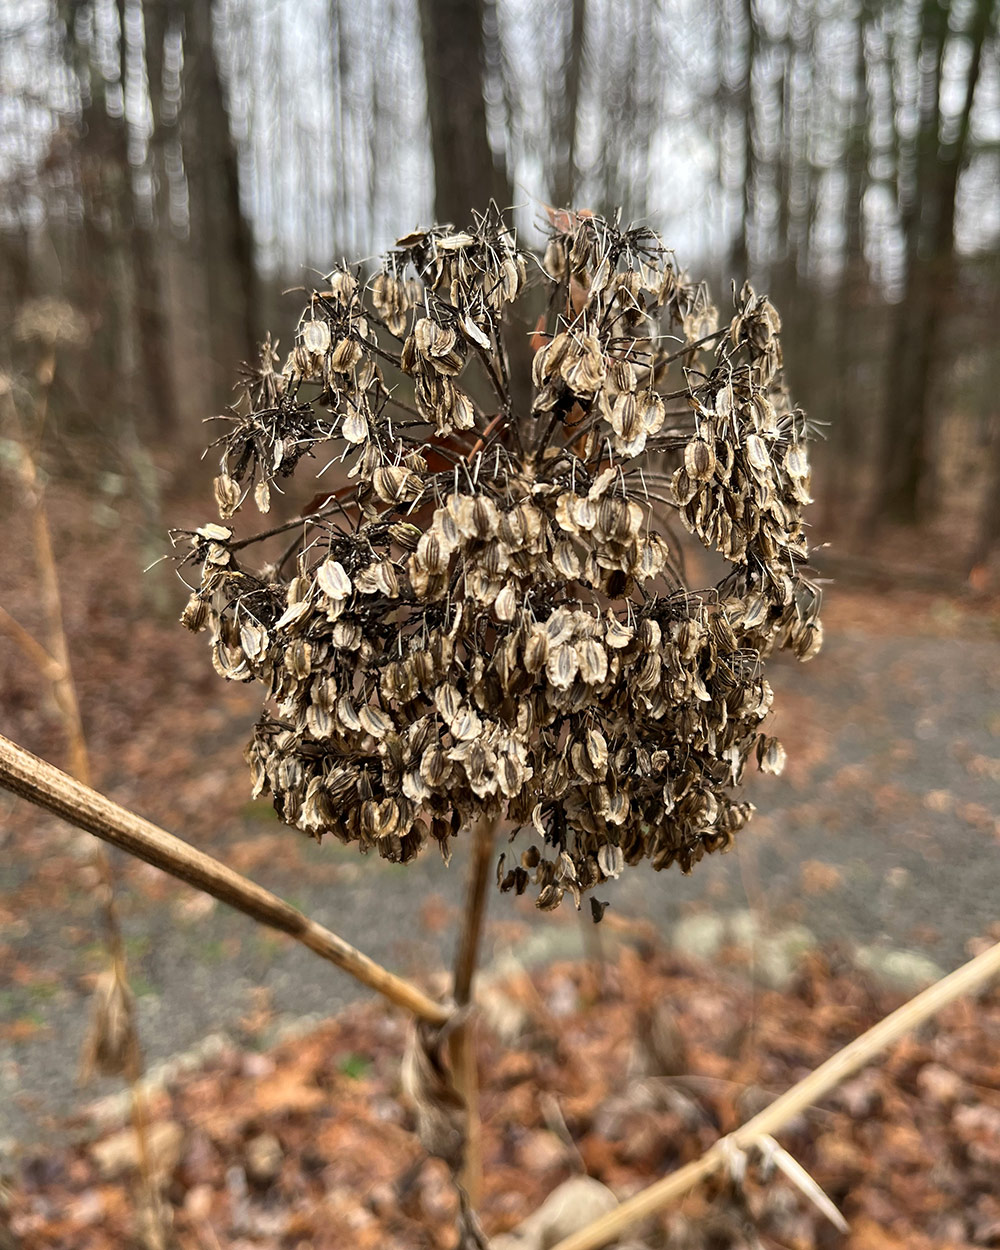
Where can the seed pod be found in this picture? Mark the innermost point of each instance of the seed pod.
(536, 651)
(373, 721)
(195, 614)
(757, 455)
(332, 579)
(227, 495)
(652, 412)
(505, 604)
(298, 658)
(618, 635)
(770, 755)
(797, 463)
(610, 860)
(347, 717)
(405, 534)
(554, 262)
(600, 277)
(699, 460)
(316, 336)
(597, 750)
(346, 635)
(355, 426)
(562, 665)
(566, 560)
(393, 483)
(343, 287)
(262, 496)
(593, 662)
(345, 356)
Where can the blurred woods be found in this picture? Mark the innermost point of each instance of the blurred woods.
(169, 167)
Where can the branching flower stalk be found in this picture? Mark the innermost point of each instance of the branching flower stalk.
(485, 617)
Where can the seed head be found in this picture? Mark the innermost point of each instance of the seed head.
(486, 615)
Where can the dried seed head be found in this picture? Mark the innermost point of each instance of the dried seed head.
(486, 616)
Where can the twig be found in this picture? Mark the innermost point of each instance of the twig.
(461, 1043)
(784, 1108)
(33, 649)
(659, 361)
(47, 786)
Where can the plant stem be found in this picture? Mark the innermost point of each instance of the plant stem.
(461, 1043)
(54, 664)
(46, 786)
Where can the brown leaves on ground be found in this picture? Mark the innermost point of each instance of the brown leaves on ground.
(628, 1074)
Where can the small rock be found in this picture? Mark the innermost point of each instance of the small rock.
(563, 998)
(541, 1152)
(264, 1157)
(506, 1018)
(908, 971)
(699, 936)
(87, 1209)
(572, 1206)
(777, 956)
(940, 1084)
(198, 1202)
(120, 1152)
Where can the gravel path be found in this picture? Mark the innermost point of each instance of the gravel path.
(883, 831)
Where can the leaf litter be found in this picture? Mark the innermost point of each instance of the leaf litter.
(625, 1069)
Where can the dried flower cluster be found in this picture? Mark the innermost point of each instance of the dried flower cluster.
(486, 615)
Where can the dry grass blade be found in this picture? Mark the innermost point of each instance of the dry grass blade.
(802, 1181)
(33, 649)
(112, 1046)
(440, 1109)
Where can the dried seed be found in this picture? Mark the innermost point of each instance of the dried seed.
(770, 755)
(332, 579)
(699, 460)
(316, 336)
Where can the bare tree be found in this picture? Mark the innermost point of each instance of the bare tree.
(467, 174)
(220, 231)
(928, 193)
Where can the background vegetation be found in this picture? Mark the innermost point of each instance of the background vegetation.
(169, 167)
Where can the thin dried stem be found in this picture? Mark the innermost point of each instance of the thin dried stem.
(462, 1040)
(795, 1100)
(33, 649)
(54, 664)
(47, 786)
(61, 675)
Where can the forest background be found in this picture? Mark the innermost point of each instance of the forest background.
(170, 167)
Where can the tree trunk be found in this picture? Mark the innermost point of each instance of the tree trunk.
(851, 292)
(467, 176)
(221, 232)
(564, 181)
(905, 455)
